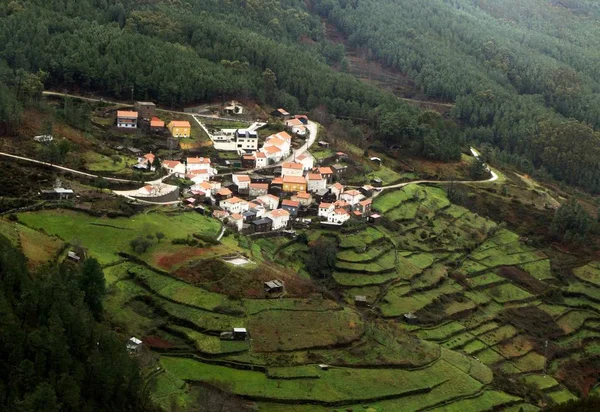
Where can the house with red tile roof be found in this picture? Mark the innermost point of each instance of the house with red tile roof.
(294, 184)
(127, 119)
(280, 218)
(292, 169)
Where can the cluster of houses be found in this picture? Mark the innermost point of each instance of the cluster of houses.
(257, 203)
(146, 111)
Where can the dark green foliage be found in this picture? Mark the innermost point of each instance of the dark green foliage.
(91, 282)
(511, 74)
(571, 222)
(140, 244)
(53, 354)
(477, 170)
(321, 259)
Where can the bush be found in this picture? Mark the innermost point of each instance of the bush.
(140, 244)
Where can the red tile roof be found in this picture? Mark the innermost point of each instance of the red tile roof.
(292, 165)
(324, 205)
(290, 203)
(180, 123)
(314, 176)
(236, 216)
(127, 113)
(279, 213)
(156, 122)
(302, 195)
(170, 163)
(340, 212)
(325, 170)
(224, 192)
(294, 179)
(242, 178)
(198, 160)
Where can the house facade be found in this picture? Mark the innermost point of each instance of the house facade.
(307, 161)
(246, 139)
(338, 216)
(304, 198)
(291, 206)
(271, 202)
(234, 205)
(127, 119)
(145, 109)
(174, 167)
(292, 169)
(280, 218)
(180, 128)
(258, 189)
(315, 182)
(294, 184)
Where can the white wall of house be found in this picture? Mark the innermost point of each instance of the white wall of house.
(337, 218)
(286, 171)
(316, 185)
(236, 207)
(325, 212)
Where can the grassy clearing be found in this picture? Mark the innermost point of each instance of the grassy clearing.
(543, 382)
(588, 273)
(508, 293)
(498, 335)
(384, 263)
(361, 239)
(540, 270)
(474, 347)
(441, 333)
(281, 330)
(406, 211)
(387, 175)
(515, 347)
(182, 292)
(38, 247)
(396, 302)
(334, 385)
(574, 320)
(356, 279)
(308, 371)
(489, 356)
(487, 401)
(105, 237)
(429, 277)
(211, 345)
(561, 396)
(485, 279)
(370, 254)
(96, 162)
(391, 199)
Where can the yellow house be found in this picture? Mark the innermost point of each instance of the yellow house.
(180, 128)
(294, 184)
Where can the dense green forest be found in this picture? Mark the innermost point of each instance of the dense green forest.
(517, 70)
(54, 355)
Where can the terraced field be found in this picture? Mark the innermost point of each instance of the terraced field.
(454, 302)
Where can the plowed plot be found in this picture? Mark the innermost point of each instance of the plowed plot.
(281, 330)
(517, 346)
(175, 257)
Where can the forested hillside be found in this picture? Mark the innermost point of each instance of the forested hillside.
(53, 354)
(517, 69)
(179, 53)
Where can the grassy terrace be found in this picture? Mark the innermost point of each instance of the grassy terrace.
(106, 237)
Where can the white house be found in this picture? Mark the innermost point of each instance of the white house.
(304, 198)
(296, 127)
(292, 169)
(351, 196)
(273, 154)
(234, 205)
(210, 188)
(246, 139)
(199, 163)
(236, 220)
(258, 189)
(145, 162)
(242, 182)
(127, 119)
(307, 161)
(282, 140)
(325, 209)
(315, 182)
(280, 218)
(261, 160)
(338, 216)
(174, 167)
(271, 202)
(198, 176)
(337, 189)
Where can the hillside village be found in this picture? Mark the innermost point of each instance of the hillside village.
(279, 184)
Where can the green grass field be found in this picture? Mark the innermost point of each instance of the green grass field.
(105, 237)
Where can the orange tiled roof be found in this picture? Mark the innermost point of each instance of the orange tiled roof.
(294, 179)
(127, 113)
(291, 203)
(292, 165)
(180, 123)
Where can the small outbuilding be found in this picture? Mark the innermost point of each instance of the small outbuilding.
(134, 345)
(360, 300)
(235, 334)
(274, 286)
(73, 256)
